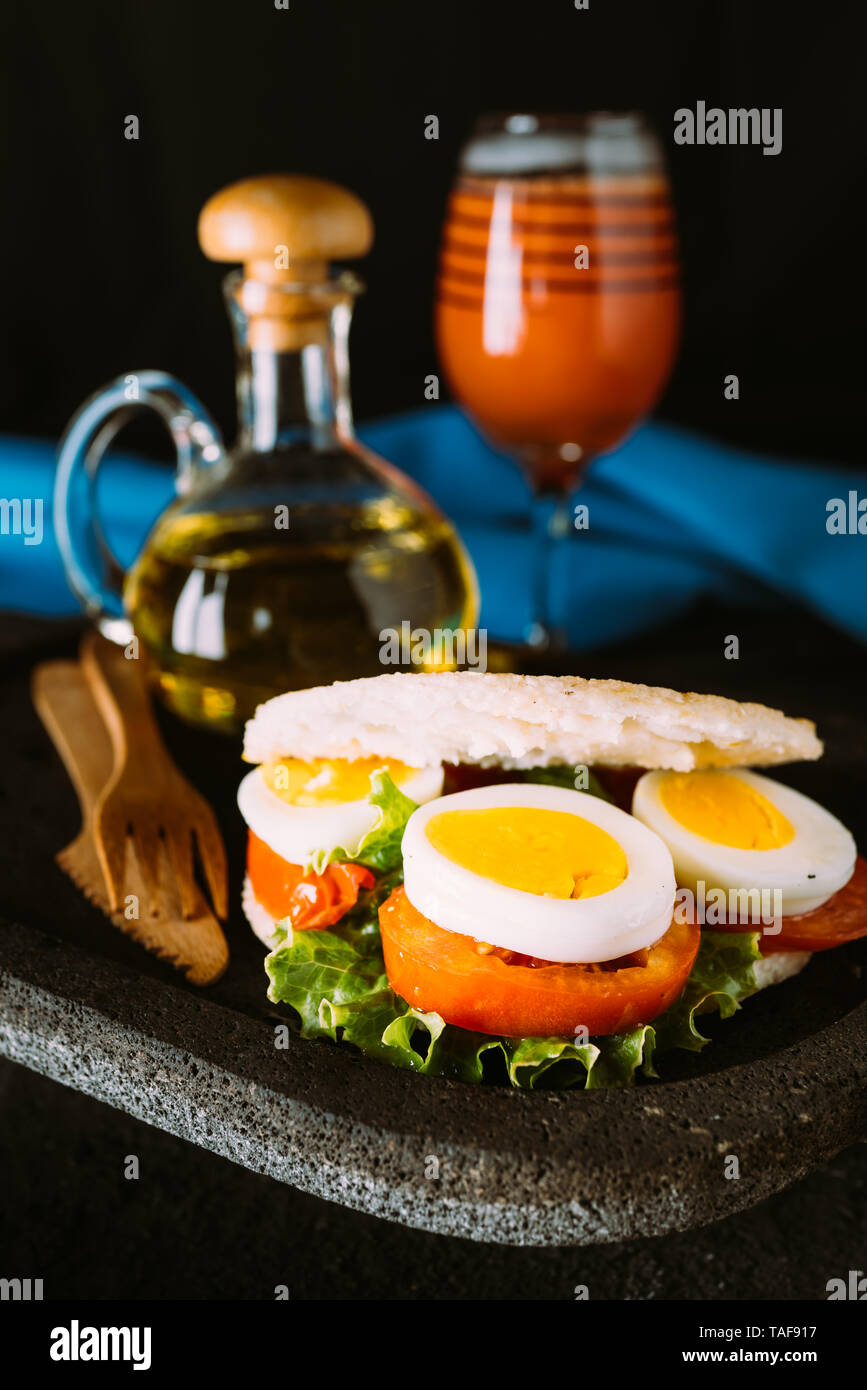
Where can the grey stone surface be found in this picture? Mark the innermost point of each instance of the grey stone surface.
(782, 1086)
(545, 1168)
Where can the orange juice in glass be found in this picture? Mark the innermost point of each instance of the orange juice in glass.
(558, 302)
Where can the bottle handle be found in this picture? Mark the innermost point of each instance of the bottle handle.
(92, 570)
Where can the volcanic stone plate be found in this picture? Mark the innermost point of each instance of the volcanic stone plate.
(781, 1088)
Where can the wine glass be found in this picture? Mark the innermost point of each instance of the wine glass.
(558, 300)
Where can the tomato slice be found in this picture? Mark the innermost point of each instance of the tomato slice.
(842, 918)
(477, 987)
(310, 901)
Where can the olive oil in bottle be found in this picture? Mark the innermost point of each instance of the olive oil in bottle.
(231, 613)
(282, 562)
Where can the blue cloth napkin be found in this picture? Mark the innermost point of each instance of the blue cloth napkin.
(672, 517)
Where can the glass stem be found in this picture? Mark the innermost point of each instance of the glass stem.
(550, 522)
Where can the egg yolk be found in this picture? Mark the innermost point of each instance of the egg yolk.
(551, 853)
(722, 808)
(328, 781)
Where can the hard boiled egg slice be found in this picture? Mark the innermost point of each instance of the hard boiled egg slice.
(735, 830)
(303, 808)
(540, 870)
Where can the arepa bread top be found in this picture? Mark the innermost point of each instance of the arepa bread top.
(523, 721)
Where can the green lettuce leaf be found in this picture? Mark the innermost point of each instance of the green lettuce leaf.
(336, 983)
(563, 775)
(721, 977)
(602, 1062)
(379, 849)
(319, 973)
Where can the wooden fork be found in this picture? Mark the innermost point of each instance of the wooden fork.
(66, 706)
(147, 801)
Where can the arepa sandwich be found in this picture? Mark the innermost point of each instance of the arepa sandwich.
(462, 872)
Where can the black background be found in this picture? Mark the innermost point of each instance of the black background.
(104, 274)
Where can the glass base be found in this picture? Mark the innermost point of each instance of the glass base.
(519, 658)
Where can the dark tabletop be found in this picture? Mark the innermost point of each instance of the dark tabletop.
(197, 1227)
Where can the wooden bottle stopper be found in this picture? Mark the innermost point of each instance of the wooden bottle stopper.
(284, 229)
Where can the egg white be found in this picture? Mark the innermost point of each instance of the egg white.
(813, 866)
(299, 833)
(629, 917)
(260, 919)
